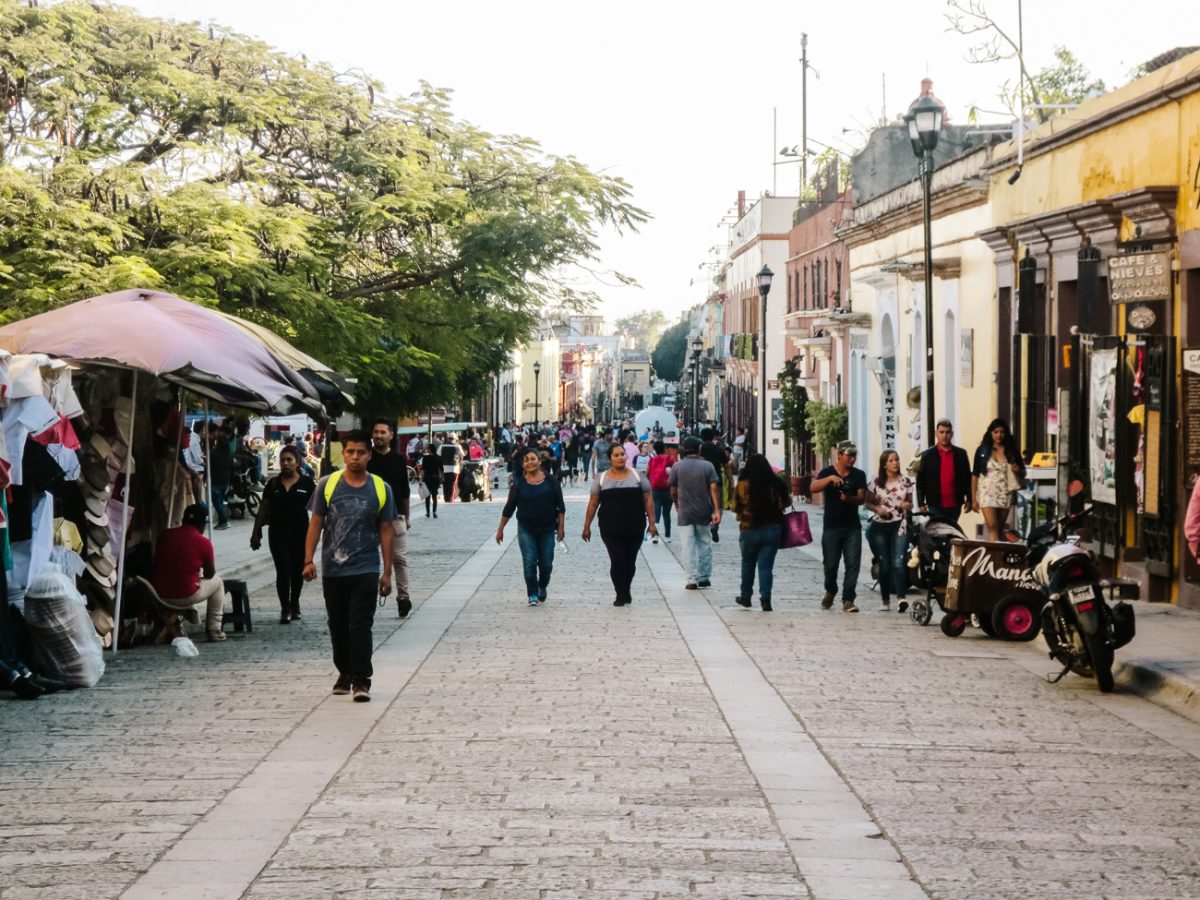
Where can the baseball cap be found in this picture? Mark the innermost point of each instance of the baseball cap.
(847, 447)
(691, 444)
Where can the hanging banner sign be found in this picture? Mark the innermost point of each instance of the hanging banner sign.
(1137, 277)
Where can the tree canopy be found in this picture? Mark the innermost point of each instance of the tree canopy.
(671, 351)
(384, 236)
(646, 326)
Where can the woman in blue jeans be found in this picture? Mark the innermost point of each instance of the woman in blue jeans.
(759, 501)
(889, 499)
(538, 502)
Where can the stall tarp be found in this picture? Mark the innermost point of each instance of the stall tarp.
(178, 341)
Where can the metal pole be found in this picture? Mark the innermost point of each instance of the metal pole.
(762, 365)
(927, 184)
(178, 450)
(124, 546)
(803, 112)
(208, 469)
(537, 419)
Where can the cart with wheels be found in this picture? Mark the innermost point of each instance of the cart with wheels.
(989, 580)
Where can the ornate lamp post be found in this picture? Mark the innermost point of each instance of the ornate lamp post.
(537, 378)
(697, 346)
(764, 277)
(924, 126)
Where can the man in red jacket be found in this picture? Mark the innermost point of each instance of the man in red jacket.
(185, 574)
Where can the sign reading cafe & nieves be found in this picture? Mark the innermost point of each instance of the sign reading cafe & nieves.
(1134, 277)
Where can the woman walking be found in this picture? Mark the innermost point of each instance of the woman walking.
(538, 502)
(889, 499)
(658, 472)
(622, 497)
(991, 486)
(284, 510)
(432, 476)
(759, 501)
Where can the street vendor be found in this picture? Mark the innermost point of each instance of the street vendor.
(185, 573)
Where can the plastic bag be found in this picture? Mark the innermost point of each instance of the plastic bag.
(185, 648)
(64, 640)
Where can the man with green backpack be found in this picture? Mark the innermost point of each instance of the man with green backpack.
(352, 515)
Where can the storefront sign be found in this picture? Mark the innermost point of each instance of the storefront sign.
(1102, 426)
(1191, 411)
(1136, 277)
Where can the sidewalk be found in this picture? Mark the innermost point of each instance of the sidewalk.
(1162, 664)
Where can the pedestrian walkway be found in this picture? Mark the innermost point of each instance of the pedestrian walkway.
(681, 746)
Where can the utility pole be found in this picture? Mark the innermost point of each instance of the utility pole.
(803, 113)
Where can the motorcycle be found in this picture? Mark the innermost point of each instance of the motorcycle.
(245, 494)
(1079, 626)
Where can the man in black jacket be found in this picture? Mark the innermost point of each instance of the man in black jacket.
(944, 482)
(392, 467)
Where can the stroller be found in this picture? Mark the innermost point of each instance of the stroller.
(474, 482)
(929, 563)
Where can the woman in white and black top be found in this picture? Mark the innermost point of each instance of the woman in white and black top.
(622, 497)
(889, 499)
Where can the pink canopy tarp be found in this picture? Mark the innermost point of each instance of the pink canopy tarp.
(171, 338)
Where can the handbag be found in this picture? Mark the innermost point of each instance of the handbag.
(796, 532)
(1013, 480)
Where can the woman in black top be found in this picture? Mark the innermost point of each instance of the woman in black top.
(622, 497)
(431, 476)
(538, 502)
(284, 510)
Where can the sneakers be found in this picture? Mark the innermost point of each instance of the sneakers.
(704, 582)
(849, 606)
(285, 618)
(541, 597)
(902, 606)
(361, 690)
(403, 607)
(742, 601)
(342, 685)
(654, 540)
(691, 586)
(620, 601)
(533, 600)
(827, 600)
(222, 527)
(766, 605)
(885, 606)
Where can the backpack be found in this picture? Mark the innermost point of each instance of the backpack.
(380, 488)
(660, 480)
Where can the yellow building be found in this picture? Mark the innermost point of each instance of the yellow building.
(1096, 235)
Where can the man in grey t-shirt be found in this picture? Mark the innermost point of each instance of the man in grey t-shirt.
(353, 523)
(697, 507)
(600, 452)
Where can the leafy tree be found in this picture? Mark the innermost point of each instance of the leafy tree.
(670, 352)
(645, 326)
(1066, 81)
(795, 411)
(828, 423)
(384, 236)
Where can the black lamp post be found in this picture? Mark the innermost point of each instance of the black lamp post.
(764, 277)
(924, 126)
(697, 346)
(537, 377)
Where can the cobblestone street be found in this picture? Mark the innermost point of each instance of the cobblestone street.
(681, 746)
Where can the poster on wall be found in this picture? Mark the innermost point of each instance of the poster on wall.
(1102, 427)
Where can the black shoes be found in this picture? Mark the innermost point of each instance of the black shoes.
(703, 583)
(766, 605)
(743, 601)
(361, 691)
(403, 606)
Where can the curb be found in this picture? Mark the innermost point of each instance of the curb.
(1160, 686)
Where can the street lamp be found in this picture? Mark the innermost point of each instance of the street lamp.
(697, 346)
(764, 277)
(537, 377)
(924, 126)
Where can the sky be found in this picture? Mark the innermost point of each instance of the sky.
(688, 102)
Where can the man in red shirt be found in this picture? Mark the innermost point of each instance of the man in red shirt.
(944, 482)
(185, 574)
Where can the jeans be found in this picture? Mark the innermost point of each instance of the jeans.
(287, 551)
(759, 546)
(946, 512)
(350, 603)
(662, 509)
(622, 557)
(218, 498)
(842, 544)
(889, 548)
(537, 556)
(699, 543)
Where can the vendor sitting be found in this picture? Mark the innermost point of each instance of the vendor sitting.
(185, 574)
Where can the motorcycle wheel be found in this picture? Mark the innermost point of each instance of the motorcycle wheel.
(1015, 619)
(953, 624)
(1102, 661)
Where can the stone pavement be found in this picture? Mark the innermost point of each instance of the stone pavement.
(681, 746)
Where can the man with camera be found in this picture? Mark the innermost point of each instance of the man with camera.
(845, 489)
